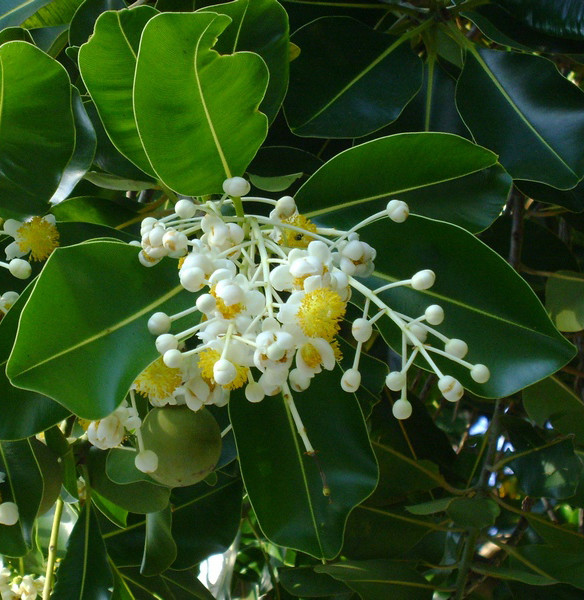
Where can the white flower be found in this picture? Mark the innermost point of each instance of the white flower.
(110, 431)
(8, 513)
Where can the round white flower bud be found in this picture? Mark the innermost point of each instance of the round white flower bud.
(398, 211)
(185, 209)
(9, 298)
(146, 461)
(19, 268)
(224, 372)
(147, 224)
(285, 207)
(166, 342)
(451, 388)
(276, 351)
(456, 347)
(351, 380)
(192, 279)
(434, 314)
(159, 323)
(146, 260)
(402, 409)
(254, 392)
(423, 280)
(220, 274)
(8, 513)
(175, 242)
(361, 329)
(236, 186)
(206, 303)
(395, 380)
(173, 359)
(480, 373)
(298, 380)
(353, 250)
(156, 234)
(419, 332)
(229, 292)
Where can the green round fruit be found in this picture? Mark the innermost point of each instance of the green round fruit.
(187, 443)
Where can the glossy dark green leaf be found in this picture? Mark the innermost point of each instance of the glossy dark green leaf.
(25, 413)
(57, 12)
(140, 497)
(486, 316)
(431, 507)
(553, 401)
(380, 579)
(121, 468)
(552, 471)
(448, 178)
(84, 573)
(32, 86)
(292, 510)
(85, 144)
(14, 12)
(171, 585)
(106, 349)
(337, 92)
(259, 26)
(83, 20)
(116, 514)
(14, 34)
(473, 512)
(561, 18)
(24, 487)
(160, 548)
(205, 519)
(58, 443)
(197, 111)
(304, 582)
(107, 63)
(555, 534)
(572, 199)
(520, 91)
(564, 300)
(90, 209)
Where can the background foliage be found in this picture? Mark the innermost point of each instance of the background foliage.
(470, 111)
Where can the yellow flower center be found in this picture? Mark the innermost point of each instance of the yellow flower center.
(157, 382)
(228, 312)
(85, 423)
(310, 355)
(297, 239)
(320, 312)
(39, 237)
(207, 360)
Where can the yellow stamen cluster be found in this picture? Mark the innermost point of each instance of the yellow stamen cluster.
(311, 356)
(297, 239)
(39, 237)
(228, 312)
(85, 423)
(157, 382)
(320, 312)
(207, 360)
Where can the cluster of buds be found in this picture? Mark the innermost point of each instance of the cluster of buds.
(272, 292)
(110, 431)
(27, 587)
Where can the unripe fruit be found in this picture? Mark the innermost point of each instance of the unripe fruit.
(187, 443)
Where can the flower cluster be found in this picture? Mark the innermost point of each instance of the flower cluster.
(272, 292)
(110, 431)
(34, 238)
(25, 587)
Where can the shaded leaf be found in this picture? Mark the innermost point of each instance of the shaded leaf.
(160, 548)
(14, 12)
(564, 299)
(56, 12)
(473, 512)
(304, 582)
(83, 20)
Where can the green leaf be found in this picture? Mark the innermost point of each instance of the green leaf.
(447, 178)
(572, 199)
(57, 12)
(32, 86)
(23, 486)
(304, 582)
(292, 510)
(121, 468)
(380, 579)
(25, 413)
(559, 536)
(564, 299)
(83, 20)
(85, 145)
(520, 91)
(551, 400)
(338, 92)
(561, 18)
(431, 507)
(107, 63)
(196, 111)
(551, 471)
(160, 548)
(473, 512)
(14, 12)
(504, 325)
(58, 443)
(14, 34)
(96, 343)
(89, 209)
(84, 573)
(259, 26)
(205, 519)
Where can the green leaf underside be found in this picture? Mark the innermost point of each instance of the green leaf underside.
(14, 12)
(504, 325)
(447, 177)
(268, 446)
(107, 63)
(520, 91)
(351, 93)
(101, 335)
(32, 85)
(181, 90)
